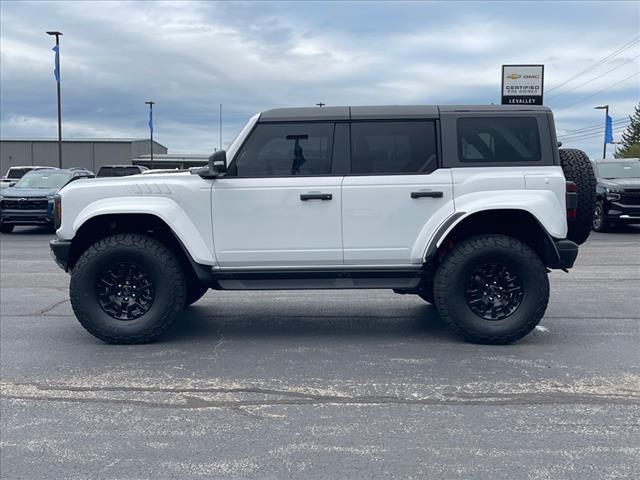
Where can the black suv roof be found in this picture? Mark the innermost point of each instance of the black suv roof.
(383, 111)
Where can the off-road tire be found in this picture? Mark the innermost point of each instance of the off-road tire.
(195, 291)
(164, 270)
(577, 168)
(4, 228)
(453, 276)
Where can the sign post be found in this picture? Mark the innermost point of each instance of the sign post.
(522, 84)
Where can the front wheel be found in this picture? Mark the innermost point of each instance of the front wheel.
(127, 288)
(492, 289)
(600, 221)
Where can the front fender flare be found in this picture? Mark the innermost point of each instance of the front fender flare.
(166, 209)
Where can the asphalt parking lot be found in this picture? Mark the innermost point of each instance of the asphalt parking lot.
(323, 384)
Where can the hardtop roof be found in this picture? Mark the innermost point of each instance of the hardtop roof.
(382, 112)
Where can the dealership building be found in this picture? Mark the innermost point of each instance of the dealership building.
(90, 153)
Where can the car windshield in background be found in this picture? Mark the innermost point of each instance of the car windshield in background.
(619, 170)
(117, 171)
(44, 180)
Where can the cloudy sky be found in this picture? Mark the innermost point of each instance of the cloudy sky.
(191, 56)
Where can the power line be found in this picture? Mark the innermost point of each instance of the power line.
(593, 127)
(587, 136)
(599, 129)
(595, 78)
(626, 46)
(600, 91)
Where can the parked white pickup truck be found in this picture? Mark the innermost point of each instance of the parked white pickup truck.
(465, 206)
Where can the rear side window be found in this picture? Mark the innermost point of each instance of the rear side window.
(287, 149)
(393, 147)
(498, 140)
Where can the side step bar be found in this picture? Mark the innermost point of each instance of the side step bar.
(310, 279)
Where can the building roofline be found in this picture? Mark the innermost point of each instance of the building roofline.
(81, 140)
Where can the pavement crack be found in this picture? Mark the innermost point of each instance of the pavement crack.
(49, 308)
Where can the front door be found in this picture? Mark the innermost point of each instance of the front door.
(279, 205)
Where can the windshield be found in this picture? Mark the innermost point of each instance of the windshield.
(45, 179)
(619, 169)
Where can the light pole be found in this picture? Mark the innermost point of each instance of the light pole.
(57, 75)
(150, 103)
(606, 116)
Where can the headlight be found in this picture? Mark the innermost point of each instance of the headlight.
(613, 193)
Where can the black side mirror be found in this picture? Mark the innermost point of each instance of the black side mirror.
(217, 166)
(218, 162)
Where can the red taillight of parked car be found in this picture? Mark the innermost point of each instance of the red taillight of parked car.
(572, 200)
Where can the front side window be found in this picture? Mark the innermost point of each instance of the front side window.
(498, 140)
(393, 147)
(287, 149)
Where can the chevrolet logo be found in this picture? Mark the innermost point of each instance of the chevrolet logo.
(514, 76)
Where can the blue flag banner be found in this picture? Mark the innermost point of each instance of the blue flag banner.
(151, 121)
(56, 70)
(608, 130)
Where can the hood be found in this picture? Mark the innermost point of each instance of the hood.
(28, 192)
(620, 182)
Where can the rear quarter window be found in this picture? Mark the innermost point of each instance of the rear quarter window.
(498, 140)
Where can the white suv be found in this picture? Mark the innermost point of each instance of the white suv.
(466, 207)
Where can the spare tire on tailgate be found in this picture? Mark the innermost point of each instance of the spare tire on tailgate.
(577, 169)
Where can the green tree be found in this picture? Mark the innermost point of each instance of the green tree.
(630, 147)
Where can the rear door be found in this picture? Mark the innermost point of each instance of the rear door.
(279, 204)
(396, 196)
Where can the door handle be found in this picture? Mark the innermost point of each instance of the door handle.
(315, 196)
(426, 194)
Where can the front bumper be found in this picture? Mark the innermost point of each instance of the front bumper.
(26, 217)
(623, 213)
(60, 250)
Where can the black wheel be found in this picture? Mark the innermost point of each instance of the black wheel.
(127, 288)
(491, 289)
(600, 222)
(5, 228)
(195, 291)
(577, 169)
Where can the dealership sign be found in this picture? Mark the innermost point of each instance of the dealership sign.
(522, 84)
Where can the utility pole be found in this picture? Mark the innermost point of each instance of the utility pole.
(220, 126)
(150, 103)
(56, 72)
(606, 116)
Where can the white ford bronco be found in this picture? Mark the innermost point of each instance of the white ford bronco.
(466, 206)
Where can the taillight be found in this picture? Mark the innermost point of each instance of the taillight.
(572, 200)
(57, 211)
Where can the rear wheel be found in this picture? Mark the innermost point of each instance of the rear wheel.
(577, 169)
(127, 288)
(491, 289)
(4, 228)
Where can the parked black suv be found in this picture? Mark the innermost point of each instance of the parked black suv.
(618, 193)
(30, 200)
